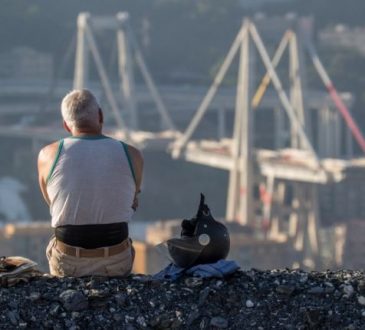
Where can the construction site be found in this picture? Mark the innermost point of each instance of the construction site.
(292, 152)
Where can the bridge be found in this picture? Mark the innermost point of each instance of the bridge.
(305, 127)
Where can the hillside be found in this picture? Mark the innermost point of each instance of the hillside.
(253, 299)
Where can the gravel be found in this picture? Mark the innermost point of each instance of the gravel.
(253, 299)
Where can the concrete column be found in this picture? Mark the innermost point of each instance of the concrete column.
(82, 53)
(125, 65)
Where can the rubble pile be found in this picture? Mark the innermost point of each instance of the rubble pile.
(277, 299)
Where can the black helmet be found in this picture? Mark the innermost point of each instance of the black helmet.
(203, 240)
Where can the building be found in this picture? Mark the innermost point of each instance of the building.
(342, 246)
(343, 36)
(27, 240)
(26, 63)
(258, 3)
(30, 240)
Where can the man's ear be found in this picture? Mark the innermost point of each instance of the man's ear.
(101, 116)
(65, 126)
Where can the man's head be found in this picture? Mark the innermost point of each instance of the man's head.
(81, 111)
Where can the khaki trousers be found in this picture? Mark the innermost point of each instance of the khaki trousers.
(61, 264)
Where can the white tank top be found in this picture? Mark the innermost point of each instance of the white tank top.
(91, 182)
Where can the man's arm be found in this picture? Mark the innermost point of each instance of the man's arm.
(137, 163)
(45, 160)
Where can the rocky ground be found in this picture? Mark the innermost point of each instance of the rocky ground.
(277, 299)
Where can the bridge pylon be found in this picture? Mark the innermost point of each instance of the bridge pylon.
(261, 180)
(128, 53)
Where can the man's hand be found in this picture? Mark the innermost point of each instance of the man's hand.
(135, 200)
(135, 203)
(137, 161)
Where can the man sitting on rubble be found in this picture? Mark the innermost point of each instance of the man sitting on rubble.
(90, 182)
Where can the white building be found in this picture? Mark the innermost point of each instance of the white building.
(258, 3)
(26, 63)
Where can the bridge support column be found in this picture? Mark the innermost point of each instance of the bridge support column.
(240, 200)
(296, 88)
(82, 53)
(126, 70)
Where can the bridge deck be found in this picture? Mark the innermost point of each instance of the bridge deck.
(286, 164)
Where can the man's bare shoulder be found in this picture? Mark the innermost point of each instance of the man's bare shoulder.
(135, 153)
(48, 153)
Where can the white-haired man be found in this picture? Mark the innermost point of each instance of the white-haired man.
(90, 182)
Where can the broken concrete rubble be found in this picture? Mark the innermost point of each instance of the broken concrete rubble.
(253, 299)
